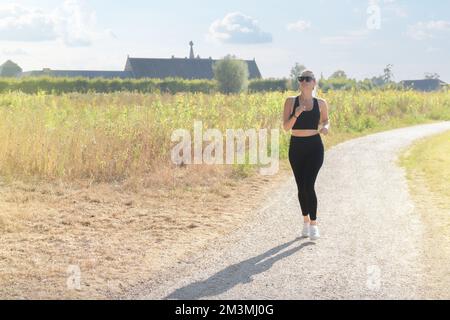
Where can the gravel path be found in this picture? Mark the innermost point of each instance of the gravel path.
(371, 237)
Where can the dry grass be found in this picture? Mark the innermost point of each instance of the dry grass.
(116, 236)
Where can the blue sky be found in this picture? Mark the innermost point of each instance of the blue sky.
(358, 36)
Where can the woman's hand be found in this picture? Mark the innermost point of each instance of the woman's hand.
(324, 131)
(299, 110)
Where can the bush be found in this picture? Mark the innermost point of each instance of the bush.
(231, 75)
(261, 85)
(62, 85)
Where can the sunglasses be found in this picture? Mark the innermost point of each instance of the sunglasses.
(307, 78)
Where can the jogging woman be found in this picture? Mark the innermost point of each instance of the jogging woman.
(303, 114)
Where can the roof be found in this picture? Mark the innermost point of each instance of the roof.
(424, 84)
(192, 68)
(179, 67)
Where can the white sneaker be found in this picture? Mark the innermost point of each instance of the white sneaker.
(314, 232)
(305, 231)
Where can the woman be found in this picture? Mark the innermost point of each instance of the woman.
(302, 115)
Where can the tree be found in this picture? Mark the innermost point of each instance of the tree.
(296, 71)
(378, 81)
(10, 69)
(231, 74)
(429, 75)
(338, 75)
(387, 74)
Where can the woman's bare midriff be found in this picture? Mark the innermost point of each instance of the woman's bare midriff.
(304, 133)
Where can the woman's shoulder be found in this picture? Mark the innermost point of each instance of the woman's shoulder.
(291, 99)
(322, 103)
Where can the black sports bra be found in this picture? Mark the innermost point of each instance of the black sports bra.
(307, 119)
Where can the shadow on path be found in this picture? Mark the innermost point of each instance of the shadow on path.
(232, 275)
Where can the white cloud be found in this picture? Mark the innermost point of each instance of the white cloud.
(70, 23)
(428, 30)
(18, 23)
(237, 28)
(299, 26)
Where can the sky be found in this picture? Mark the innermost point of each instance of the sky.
(360, 37)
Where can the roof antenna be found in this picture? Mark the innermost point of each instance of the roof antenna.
(191, 54)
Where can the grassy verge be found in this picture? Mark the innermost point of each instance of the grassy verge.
(427, 164)
(430, 159)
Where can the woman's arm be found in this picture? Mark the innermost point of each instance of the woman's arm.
(288, 120)
(324, 120)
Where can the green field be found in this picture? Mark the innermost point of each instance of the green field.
(113, 136)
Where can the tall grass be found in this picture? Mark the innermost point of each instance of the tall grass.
(106, 137)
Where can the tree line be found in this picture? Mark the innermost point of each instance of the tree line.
(231, 75)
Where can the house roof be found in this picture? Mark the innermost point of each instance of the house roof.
(424, 84)
(179, 67)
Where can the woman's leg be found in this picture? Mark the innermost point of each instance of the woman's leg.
(313, 164)
(297, 159)
(301, 187)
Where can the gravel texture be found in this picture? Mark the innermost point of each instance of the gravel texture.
(371, 245)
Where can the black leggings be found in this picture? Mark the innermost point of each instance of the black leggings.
(306, 155)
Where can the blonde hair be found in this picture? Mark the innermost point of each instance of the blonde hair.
(307, 72)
